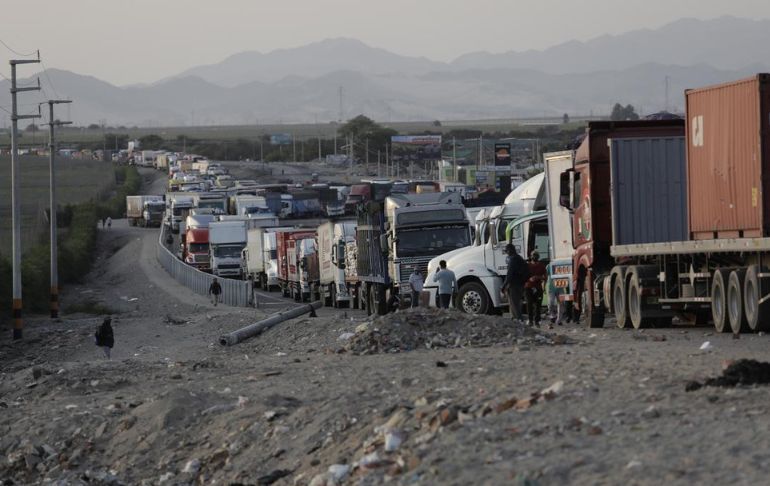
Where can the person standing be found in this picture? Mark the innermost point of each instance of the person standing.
(515, 277)
(533, 289)
(109, 222)
(447, 284)
(215, 290)
(105, 338)
(104, 222)
(416, 282)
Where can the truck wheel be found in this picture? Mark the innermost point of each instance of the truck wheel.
(473, 299)
(380, 299)
(333, 296)
(590, 316)
(364, 299)
(284, 291)
(620, 300)
(735, 313)
(757, 314)
(636, 300)
(719, 300)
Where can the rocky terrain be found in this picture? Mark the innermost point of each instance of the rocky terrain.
(417, 397)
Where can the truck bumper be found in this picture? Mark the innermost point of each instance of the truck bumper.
(432, 294)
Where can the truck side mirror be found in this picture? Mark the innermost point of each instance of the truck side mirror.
(384, 244)
(565, 186)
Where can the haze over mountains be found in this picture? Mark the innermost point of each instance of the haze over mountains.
(302, 84)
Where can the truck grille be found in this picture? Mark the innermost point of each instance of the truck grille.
(201, 258)
(408, 265)
(230, 266)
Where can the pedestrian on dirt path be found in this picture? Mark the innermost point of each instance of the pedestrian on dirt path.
(447, 284)
(533, 289)
(515, 277)
(215, 290)
(109, 222)
(104, 337)
(416, 282)
(104, 221)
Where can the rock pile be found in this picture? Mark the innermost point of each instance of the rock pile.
(439, 328)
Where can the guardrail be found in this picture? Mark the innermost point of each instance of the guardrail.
(234, 292)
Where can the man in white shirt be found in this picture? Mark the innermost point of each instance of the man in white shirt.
(415, 281)
(447, 285)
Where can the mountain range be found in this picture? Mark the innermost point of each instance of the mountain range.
(303, 84)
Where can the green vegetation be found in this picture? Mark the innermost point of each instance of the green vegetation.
(621, 113)
(77, 243)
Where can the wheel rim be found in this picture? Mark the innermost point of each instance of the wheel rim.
(634, 307)
(471, 302)
(617, 299)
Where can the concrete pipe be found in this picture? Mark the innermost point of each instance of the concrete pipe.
(252, 330)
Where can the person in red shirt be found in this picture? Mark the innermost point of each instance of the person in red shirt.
(533, 288)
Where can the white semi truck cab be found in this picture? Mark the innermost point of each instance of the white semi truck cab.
(226, 241)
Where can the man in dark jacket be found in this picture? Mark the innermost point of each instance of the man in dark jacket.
(533, 289)
(515, 277)
(215, 290)
(105, 338)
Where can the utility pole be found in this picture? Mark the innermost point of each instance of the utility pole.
(378, 163)
(454, 158)
(319, 148)
(18, 324)
(481, 151)
(53, 123)
(367, 156)
(293, 148)
(666, 108)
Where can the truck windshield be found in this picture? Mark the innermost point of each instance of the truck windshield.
(433, 241)
(228, 251)
(198, 247)
(274, 254)
(210, 204)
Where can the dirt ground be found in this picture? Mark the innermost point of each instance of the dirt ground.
(302, 404)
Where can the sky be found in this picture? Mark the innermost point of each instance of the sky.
(140, 41)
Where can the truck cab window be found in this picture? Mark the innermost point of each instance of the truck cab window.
(576, 191)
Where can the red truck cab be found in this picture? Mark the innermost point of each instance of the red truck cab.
(287, 246)
(585, 190)
(196, 248)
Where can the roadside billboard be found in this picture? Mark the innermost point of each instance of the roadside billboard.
(416, 148)
(281, 139)
(503, 154)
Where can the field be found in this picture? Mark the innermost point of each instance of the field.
(78, 180)
(300, 131)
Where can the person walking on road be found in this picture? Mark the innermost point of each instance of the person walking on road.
(515, 277)
(215, 290)
(105, 338)
(416, 282)
(447, 284)
(533, 289)
(109, 222)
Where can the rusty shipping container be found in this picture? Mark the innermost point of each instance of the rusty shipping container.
(728, 163)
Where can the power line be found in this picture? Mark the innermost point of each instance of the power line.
(45, 71)
(16, 52)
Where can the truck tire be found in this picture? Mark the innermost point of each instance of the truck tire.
(757, 314)
(735, 312)
(590, 316)
(473, 299)
(620, 298)
(333, 296)
(380, 299)
(719, 300)
(364, 299)
(635, 298)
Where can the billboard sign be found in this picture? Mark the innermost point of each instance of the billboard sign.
(416, 148)
(503, 154)
(280, 139)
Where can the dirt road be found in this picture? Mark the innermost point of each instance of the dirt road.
(302, 405)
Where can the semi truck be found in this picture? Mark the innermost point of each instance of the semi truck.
(136, 207)
(334, 281)
(213, 200)
(402, 233)
(481, 267)
(259, 257)
(227, 240)
(288, 252)
(586, 190)
(178, 206)
(196, 247)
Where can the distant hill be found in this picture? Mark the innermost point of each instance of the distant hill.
(725, 43)
(312, 60)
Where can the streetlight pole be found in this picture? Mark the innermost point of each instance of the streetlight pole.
(53, 123)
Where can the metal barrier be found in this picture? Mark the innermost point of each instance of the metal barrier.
(234, 292)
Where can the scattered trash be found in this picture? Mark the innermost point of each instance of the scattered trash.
(706, 346)
(339, 472)
(345, 336)
(441, 364)
(740, 372)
